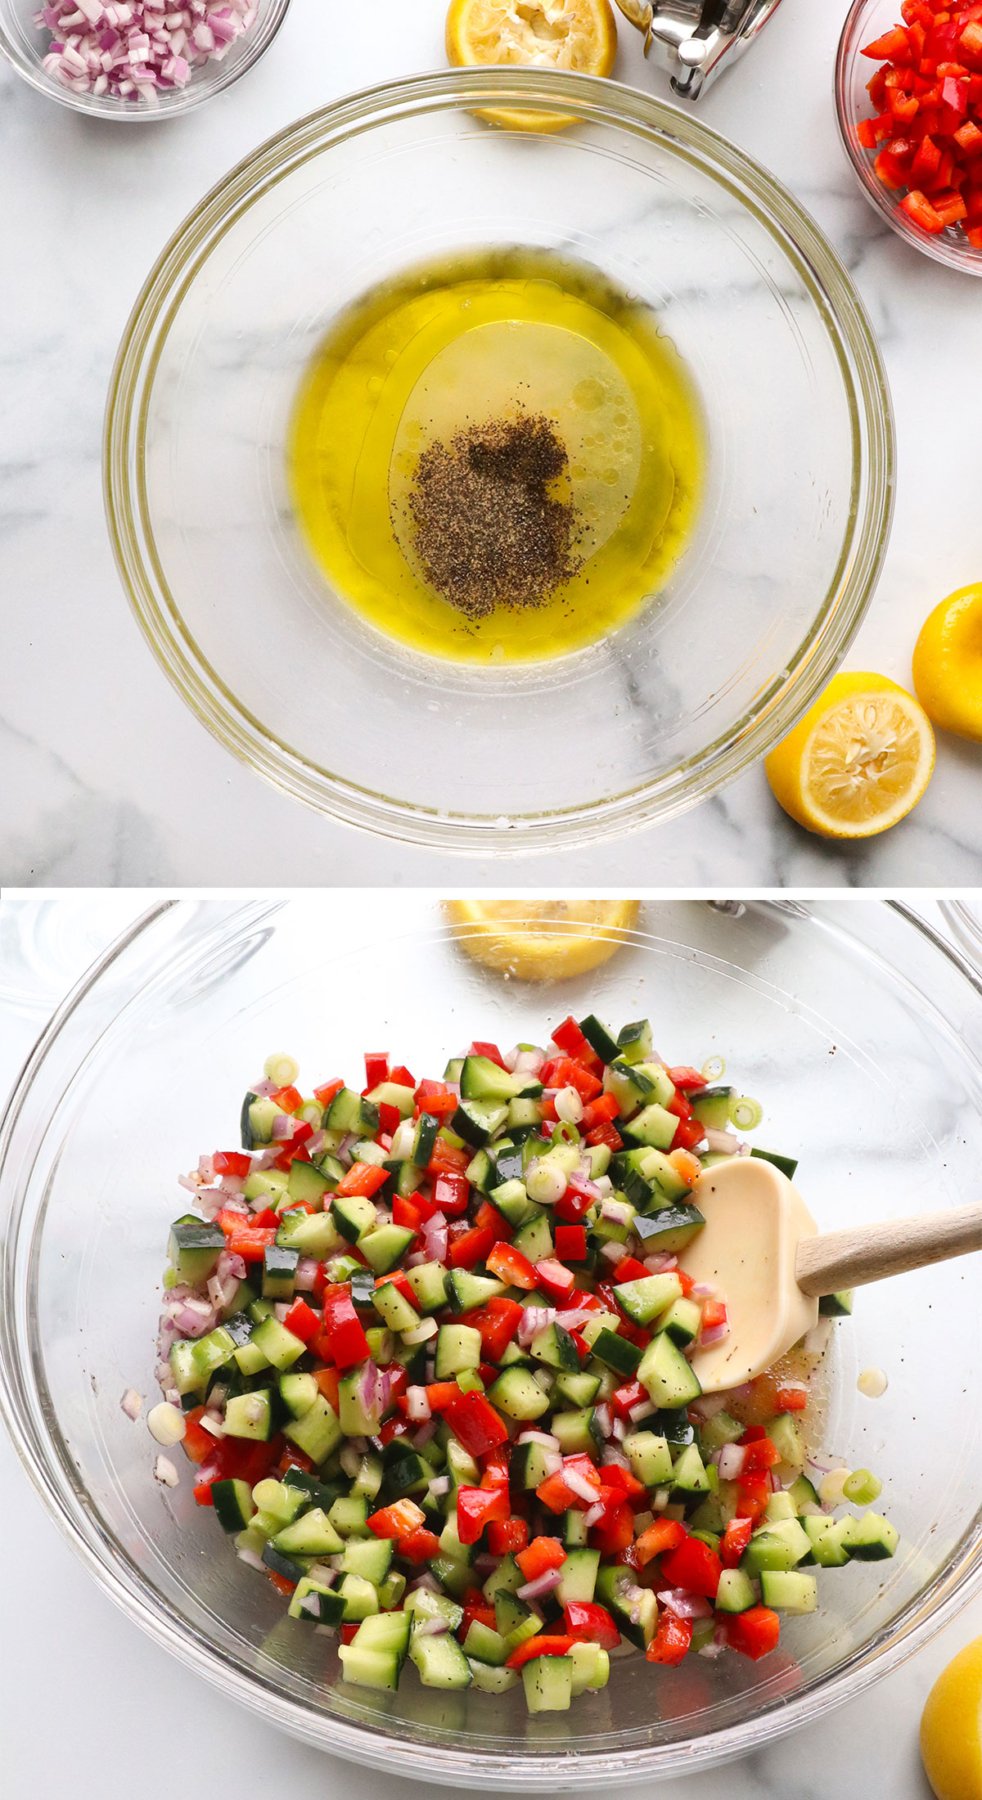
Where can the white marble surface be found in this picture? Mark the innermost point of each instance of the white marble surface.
(127, 1713)
(107, 779)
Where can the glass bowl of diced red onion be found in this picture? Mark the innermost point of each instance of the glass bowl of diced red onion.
(136, 59)
(920, 165)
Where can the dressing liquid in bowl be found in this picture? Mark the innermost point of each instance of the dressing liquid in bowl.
(481, 341)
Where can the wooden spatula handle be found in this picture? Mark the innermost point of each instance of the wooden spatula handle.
(844, 1259)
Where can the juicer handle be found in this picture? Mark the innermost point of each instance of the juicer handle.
(863, 1253)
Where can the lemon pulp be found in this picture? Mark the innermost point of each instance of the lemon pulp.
(487, 336)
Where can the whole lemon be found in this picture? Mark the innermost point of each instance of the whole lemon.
(951, 1728)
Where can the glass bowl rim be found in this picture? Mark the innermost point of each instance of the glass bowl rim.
(786, 696)
(955, 1584)
(223, 75)
(942, 249)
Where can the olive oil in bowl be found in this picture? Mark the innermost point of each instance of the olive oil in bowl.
(472, 350)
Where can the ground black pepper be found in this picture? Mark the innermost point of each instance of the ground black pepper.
(487, 531)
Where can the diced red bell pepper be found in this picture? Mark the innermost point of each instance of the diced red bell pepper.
(570, 1038)
(692, 1565)
(570, 1243)
(713, 1314)
(441, 1394)
(688, 1133)
(497, 1321)
(505, 1536)
(389, 1119)
(554, 1280)
(539, 1646)
(344, 1331)
(328, 1092)
(405, 1213)
(490, 1051)
(401, 1077)
(435, 1098)
(239, 1459)
(576, 1201)
(734, 1542)
(631, 1394)
(303, 1321)
(475, 1423)
(661, 1536)
(688, 1078)
(419, 1546)
(509, 1265)
(630, 1269)
(251, 1244)
(615, 1531)
(600, 1111)
(347, 1633)
(231, 1162)
(791, 1399)
(755, 1632)
(393, 1428)
(759, 1454)
(472, 1247)
(476, 1507)
(376, 1067)
(447, 1160)
(451, 1194)
(203, 1494)
(605, 1134)
(495, 1466)
(289, 1099)
(328, 1382)
(198, 1443)
(476, 1610)
(541, 1555)
(590, 1623)
(398, 1520)
(893, 46)
(753, 1493)
(363, 1179)
(671, 1641)
(490, 1219)
(623, 1482)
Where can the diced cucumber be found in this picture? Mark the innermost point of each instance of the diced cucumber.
(836, 1306)
(316, 1604)
(310, 1535)
(779, 1546)
(682, 1322)
(518, 1394)
(721, 1429)
(826, 1539)
(615, 1353)
(579, 1389)
(394, 1093)
(465, 1290)
(577, 1431)
(440, 1661)
(591, 1668)
(250, 1415)
(653, 1126)
(298, 1393)
(348, 1112)
(534, 1239)
(650, 1458)
(489, 1679)
(736, 1592)
(310, 1234)
(644, 1299)
(233, 1503)
(548, 1683)
(391, 1305)
(358, 1416)
(279, 1272)
(318, 1432)
(788, 1592)
(485, 1644)
(634, 1041)
(869, 1539)
(429, 1284)
(578, 1576)
(194, 1248)
(349, 1515)
(712, 1107)
(554, 1347)
(384, 1247)
(476, 1121)
(354, 1215)
(671, 1228)
(785, 1434)
(458, 1347)
(669, 1379)
(786, 1164)
(360, 1598)
(278, 1345)
(305, 1182)
(599, 1038)
(256, 1121)
(689, 1476)
(368, 1557)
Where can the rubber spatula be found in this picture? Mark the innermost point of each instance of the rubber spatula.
(761, 1248)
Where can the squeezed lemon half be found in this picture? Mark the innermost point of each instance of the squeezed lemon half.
(556, 34)
(859, 760)
(540, 940)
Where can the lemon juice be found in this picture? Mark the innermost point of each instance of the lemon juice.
(492, 336)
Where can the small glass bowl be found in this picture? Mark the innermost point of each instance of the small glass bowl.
(866, 21)
(25, 45)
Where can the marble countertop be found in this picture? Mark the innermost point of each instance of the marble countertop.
(97, 749)
(119, 1693)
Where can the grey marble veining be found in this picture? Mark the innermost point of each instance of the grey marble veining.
(107, 778)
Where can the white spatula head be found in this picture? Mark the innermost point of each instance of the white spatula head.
(755, 1219)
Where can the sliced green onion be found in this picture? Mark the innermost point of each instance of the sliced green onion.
(565, 1133)
(862, 1487)
(714, 1069)
(745, 1113)
(281, 1069)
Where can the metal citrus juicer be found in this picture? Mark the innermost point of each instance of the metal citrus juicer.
(694, 40)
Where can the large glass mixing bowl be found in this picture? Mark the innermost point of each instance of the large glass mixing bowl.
(860, 1033)
(714, 669)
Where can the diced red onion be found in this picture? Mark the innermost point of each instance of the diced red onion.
(618, 1430)
(685, 1605)
(230, 1267)
(731, 1460)
(233, 1185)
(347, 1144)
(722, 1143)
(190, 1183)
(425, 1433)
(659, 1264)
(578, 1315)
(264, 1160)
(592, 1514)
(533, 1320)
(617, 1211)
(713, 1334)
(306, 1275)
(435, 1237)
(435, 1627)
(439, 1486)
(611, 1455)
(315, 1143)
(578, 1485)
(708, 1405)
(132, 1403)
(542, 1585)
(427, 1581)
(206, 1170)
(281, 1128)
(250, 1557)
(265, 1088)
(212, 1423)
(417, 1405)
(702, 1290)
(165, 1472)
(545, 1438)
(528, 1062)
(639, 1412)
(612, 1253)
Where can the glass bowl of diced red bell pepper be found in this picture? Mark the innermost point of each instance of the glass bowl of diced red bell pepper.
(908, 88)
(861, 1036)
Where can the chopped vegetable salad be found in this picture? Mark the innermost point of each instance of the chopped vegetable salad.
(428, 1343)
